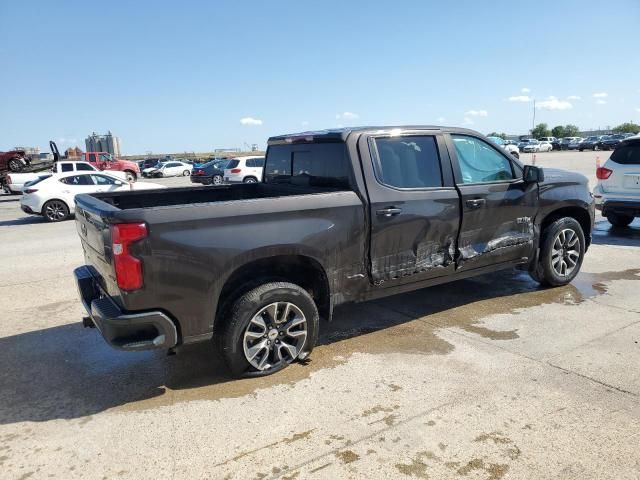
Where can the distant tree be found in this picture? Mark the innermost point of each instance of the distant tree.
(496, 134)
(571, 130)
(558, 131)
(627, 127)
(541, 130)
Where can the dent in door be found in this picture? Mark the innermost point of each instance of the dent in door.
(507, 235)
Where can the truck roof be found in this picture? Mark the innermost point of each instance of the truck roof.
(341, 134)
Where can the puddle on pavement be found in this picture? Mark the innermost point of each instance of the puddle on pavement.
(404, 323)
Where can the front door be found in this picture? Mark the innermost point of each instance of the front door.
(414, 206)
(498, 207)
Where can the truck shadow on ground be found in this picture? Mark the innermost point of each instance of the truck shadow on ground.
(23, 221)
(68, 372)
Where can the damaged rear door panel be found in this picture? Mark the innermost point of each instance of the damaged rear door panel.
(498, 206)
(414, 207)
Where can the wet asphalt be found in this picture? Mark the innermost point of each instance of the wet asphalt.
(491, 377)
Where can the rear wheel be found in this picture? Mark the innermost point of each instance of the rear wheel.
(618, 220)
(217, 179)
(15, 165)
(55, 211)
(515, 154)
(250, 180)
(131, 176)
(269, 327)
(186, 173)
(561, 253)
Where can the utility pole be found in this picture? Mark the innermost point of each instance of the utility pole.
(533, 122)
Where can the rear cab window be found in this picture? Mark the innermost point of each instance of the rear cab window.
(312, 164)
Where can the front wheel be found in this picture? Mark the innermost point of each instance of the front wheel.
(186, 173)
(619, 220)
(561, 253)
(131, 176)
(268, 328)
(217, 179)
(15, 165)
(55, 211)
(515, 154)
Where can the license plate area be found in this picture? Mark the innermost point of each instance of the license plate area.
(632, 181)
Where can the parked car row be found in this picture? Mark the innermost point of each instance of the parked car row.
(235, 170)
(168, 169)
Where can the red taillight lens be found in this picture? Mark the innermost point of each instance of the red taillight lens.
(603, 173)
(236, 170)
(199, 172)
(128, 268)
(30, 190)
(9, 179)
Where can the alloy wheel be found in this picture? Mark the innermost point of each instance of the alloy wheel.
(55, 211)
(275, 336)
(565, 253)
(217, 180)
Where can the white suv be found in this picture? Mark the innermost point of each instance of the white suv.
(244, 170)
(617, 193)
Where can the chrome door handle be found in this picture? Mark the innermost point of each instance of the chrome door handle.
(388, 212)
(476, 202)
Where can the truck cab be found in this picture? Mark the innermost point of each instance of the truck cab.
(106, 161)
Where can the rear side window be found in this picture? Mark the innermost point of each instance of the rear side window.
(232, 164)
(408, 162)
(77, 180)
(627, 154)
(66, 167)
(84, 166)
(314, 164)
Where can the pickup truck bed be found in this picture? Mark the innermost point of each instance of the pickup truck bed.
(342, 216)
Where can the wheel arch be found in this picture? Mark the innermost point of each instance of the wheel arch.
(573, 211)
(301, 270)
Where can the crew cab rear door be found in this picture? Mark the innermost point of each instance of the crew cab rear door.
(498, 207)
(414, 206)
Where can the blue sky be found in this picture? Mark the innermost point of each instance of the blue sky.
(170, 76)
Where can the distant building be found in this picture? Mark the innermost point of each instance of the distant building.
(73, 152)
(103, 143)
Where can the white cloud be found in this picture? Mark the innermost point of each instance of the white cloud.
(525, 90)
(442, 119)
(552, 103)
(66, 141)
(600, 95)
(601, 102)
(467, 121)
(250, 121)
(520, 98)
(305, 123)
(476, 113)
(347, 116)
(574, 97)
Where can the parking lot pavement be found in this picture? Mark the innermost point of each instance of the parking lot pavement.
(485, 378)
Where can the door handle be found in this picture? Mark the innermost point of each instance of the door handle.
(476, 202)
(388, 212)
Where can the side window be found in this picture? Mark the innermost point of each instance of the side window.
(66, 167)
(314, 164)
(84, 167)
(279, 164)
(105, 157)
(77, 180)
(259, 162)
(479, 162)
(103, 180)
(408, 162)
(251, 162)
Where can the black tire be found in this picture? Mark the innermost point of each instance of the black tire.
(515, 154)
(131, 176)
(240, 318)
(544, 271)
(618, 220)
(250, 180)
(15, 165)
(217, 179)
(186, 173)
(207, 181)
(581, 149)
(55, 211)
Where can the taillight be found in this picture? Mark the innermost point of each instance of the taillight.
(236, 170)
(199, 172)
(603, 173)
(128, 268)
(30, 190)
(9, 179)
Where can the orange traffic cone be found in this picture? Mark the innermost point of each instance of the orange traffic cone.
(598, 162)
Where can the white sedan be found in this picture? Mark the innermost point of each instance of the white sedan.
(53, 196)
(534, 146)
(169, 169)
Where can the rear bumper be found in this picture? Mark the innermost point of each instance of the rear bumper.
(131, 331)
(620, 207)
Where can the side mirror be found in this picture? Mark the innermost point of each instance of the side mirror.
(532, 174)
(119, 183)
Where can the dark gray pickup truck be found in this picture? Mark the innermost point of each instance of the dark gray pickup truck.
(341, 216)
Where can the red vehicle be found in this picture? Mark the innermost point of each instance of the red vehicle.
(13, 161)
(106, 161)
